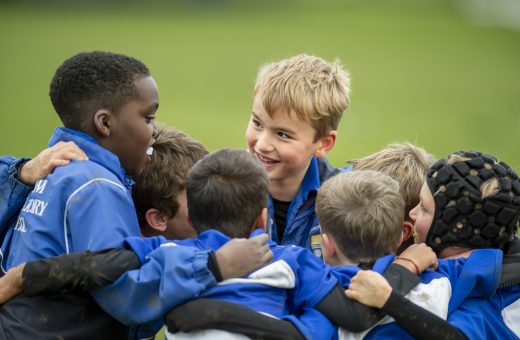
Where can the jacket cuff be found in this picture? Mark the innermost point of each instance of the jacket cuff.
(201, 271)
(19, 190)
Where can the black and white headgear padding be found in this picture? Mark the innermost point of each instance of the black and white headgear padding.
(462, 217)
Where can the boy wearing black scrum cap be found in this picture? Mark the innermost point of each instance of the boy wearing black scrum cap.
(469, 201)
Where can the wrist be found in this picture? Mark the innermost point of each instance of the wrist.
(22, 173)
(213, 266)
(408, 264)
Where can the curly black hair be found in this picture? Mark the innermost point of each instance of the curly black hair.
(90, 81)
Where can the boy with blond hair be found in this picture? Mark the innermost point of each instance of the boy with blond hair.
(404, 162)
(407, 164)
(469, 202)
(298, 104)
(361, 214)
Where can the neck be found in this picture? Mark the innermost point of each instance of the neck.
(340, 260)
(285, 189)
(455, 253)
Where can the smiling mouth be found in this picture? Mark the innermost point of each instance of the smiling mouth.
(266, 160)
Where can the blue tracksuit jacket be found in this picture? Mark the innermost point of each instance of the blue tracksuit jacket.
(442, 292)
(285, 286)
(301, 216)
(85, 205)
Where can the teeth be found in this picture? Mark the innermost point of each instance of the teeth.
(265, 159)
(149, 151)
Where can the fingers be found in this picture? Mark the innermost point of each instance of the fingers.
(67, 150)
(260, 241)
(352, 294)
(46, 161)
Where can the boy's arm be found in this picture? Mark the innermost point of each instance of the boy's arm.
(419, 322)
(232, 317)
(357, 317)
(13, 192)
(89, 270)
(74, 272)
(18, 176)
(371, 288)
(172, 275)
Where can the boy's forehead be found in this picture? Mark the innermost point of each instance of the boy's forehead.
(280, 112)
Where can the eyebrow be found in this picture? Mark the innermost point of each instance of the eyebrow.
(278, 128)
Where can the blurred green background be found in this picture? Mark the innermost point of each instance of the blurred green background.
(442, 74)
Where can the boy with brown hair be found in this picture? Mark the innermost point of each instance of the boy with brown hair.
(159, 194)
(298, 104)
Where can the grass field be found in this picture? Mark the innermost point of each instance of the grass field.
(421, 71)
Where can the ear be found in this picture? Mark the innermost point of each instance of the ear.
(326, 144)
(190, 222)
(156, 220)
(103, 122)
(329, 245)
(407, 230)
(260, 221)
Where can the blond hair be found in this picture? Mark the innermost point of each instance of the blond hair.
(312, 89)
(363, 212)
(165, 175)
(404, 162)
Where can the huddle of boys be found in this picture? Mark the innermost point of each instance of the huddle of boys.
(148, 102)
(285, 136)
(107, 103)
(291, 148)
(440, 291)
(484, 194)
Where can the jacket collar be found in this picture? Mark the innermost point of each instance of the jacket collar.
(95, 152)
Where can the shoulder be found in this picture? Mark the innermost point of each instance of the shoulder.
(326, 170)
(79, 174)
(297, 256)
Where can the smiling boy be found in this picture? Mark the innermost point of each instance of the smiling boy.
(298, 104)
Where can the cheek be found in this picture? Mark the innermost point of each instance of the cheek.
(250, 136)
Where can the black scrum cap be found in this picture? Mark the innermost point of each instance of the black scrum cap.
(462, 217)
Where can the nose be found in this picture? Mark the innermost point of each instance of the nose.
(413, 213)
(264, 143)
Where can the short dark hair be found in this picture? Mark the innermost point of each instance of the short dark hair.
(90, 81)
(165, 175)
(226, 191)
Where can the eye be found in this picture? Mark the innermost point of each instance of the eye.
(256, 123)
(149, 119)
(283, 135)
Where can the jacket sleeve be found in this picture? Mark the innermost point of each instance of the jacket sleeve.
(12, 191)
(171, 275)
(99, 215)
(475, 277)
(419, 322)
(306, 295)
(312, 324)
